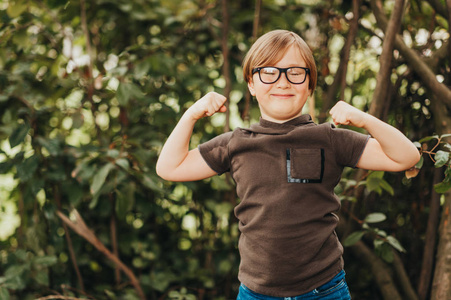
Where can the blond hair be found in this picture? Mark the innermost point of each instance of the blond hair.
(271, 47)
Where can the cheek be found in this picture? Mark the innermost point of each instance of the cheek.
(261, 88)
(303, 89)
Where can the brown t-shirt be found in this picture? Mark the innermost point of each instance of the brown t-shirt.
(285, 176)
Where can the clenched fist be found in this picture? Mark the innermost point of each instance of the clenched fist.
(346, 114)
(207, 106)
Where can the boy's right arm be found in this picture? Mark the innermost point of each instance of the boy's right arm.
(176, 162)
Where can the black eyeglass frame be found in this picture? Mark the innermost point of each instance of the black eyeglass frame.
(281, 70)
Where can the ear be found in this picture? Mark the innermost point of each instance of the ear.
(250, 85)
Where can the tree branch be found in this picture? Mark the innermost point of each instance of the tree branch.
(256, 24)
(70, 247)
(383, 78)
(59, 297)
(226, 63)
(402, 277)
(79, 226)
(440, 90)
(340, 76)
(379, 269)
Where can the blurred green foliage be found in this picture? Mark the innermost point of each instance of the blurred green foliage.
(89, 91)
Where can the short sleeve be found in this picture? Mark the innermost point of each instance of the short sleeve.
(216, 154)
(348, 145)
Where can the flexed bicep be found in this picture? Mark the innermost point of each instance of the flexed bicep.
(192, 168)
(374, 158)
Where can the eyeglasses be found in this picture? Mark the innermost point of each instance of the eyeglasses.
(295, 75)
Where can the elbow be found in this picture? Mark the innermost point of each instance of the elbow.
(166, 173)
(411, 160)
(161, 171)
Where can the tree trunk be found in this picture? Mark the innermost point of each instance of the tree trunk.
(441, 287)
(379, 269)
(429, 246)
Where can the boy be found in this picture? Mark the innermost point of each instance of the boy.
(285, 169)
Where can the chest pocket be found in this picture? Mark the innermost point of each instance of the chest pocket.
(305, 165)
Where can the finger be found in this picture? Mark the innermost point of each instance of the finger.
(211, 110)
(219, 101)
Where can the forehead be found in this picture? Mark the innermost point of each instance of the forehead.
(292, 56)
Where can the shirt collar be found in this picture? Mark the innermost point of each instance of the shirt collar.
(269, 127)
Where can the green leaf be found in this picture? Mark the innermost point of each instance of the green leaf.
(353, 238)
(376, 183)
(377, 174)
(127, 91)
(428, 138)
(42, 277)
(4, 294)
(3, 98)
(110, 294)
(395, 243)
(125, 200)
(16, 271)
(19, 135)
(53, 146)
(47, 261)
(27, 168)
(386, 253)
(14, 10)
(160, 280)
(387, 187)
(442, 187)
(77, 120)
(417, 144)
(123, 163)
(373, 184)
(100, 177)
(419, 164)
(6, 166)
(381, 233)
(441, 158)
(148, 182)
(375, 218)
(74, 192)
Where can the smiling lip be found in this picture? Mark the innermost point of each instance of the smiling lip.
(282, 95)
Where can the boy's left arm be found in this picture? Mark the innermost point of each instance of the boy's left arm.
(387, 150)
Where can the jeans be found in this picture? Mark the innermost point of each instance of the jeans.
(335, 289)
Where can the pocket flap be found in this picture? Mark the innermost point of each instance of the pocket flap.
(305, 165)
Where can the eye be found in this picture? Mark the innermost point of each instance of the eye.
(296, 71)
(270, 71)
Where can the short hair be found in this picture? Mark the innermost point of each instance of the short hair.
(271, 47)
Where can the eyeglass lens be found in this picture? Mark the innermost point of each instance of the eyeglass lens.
(294, 75)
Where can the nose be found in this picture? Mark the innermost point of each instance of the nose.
(283, 80)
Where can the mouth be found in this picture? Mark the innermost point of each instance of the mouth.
(282, 96)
